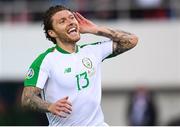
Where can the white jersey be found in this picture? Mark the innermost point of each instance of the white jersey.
(77, 75)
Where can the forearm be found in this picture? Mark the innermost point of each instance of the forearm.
(122, 41)
(31, 99)
(115, 35)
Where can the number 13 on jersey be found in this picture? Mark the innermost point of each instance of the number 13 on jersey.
(82, 80)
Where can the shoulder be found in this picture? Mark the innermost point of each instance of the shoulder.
(42, 56)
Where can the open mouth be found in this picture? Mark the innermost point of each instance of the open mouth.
(72, 31)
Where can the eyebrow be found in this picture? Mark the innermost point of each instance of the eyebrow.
(67, 16)
(63, 18)
(70, 15)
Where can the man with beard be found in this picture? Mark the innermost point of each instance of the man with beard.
(68, 76)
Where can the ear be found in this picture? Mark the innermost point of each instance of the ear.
(52, 33)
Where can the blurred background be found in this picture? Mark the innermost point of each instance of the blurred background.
(140, 87)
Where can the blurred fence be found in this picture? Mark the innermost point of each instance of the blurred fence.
(32, 10)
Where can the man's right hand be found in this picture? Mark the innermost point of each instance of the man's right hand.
(61, 107)
(86, 26)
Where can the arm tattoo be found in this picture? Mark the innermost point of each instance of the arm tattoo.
(122, 41)
(31, 98)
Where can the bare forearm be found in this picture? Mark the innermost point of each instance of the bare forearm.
(31, 99)
(122, 41)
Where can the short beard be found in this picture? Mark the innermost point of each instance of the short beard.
(65, 39)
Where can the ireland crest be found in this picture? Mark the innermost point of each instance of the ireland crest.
(87, 62)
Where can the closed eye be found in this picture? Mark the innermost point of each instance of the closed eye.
(71, 17)
(62, 20)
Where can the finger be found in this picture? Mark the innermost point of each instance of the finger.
(64, 101)
(63, 116)
(80, 16)
(77, 18)
(60, 114)
(57, 113)
(74, 14)
(68, 102)
(64, 98)
(69, 107)
(63, 109)
(65, 106)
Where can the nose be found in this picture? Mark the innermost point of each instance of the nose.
(70, 22)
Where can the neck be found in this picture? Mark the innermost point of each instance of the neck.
(69, 47)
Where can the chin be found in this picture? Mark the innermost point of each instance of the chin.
(75, 39)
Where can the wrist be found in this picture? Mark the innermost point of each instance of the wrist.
(95, 30)
(49, 107)
(103, 31)
(92, 30)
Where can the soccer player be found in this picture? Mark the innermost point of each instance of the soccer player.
(65, 81)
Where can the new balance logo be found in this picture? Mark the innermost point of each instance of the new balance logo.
(67, 70)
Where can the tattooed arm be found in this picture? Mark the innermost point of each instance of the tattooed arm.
(122, 41)
(31, 98)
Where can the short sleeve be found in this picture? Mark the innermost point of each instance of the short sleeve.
(37, 74)
(101, 49)
(105, 49)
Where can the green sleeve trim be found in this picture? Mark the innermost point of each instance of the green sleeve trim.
(96, 43)
(110, 56)
(33, 72)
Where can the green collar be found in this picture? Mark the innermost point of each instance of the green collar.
(64, 51)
